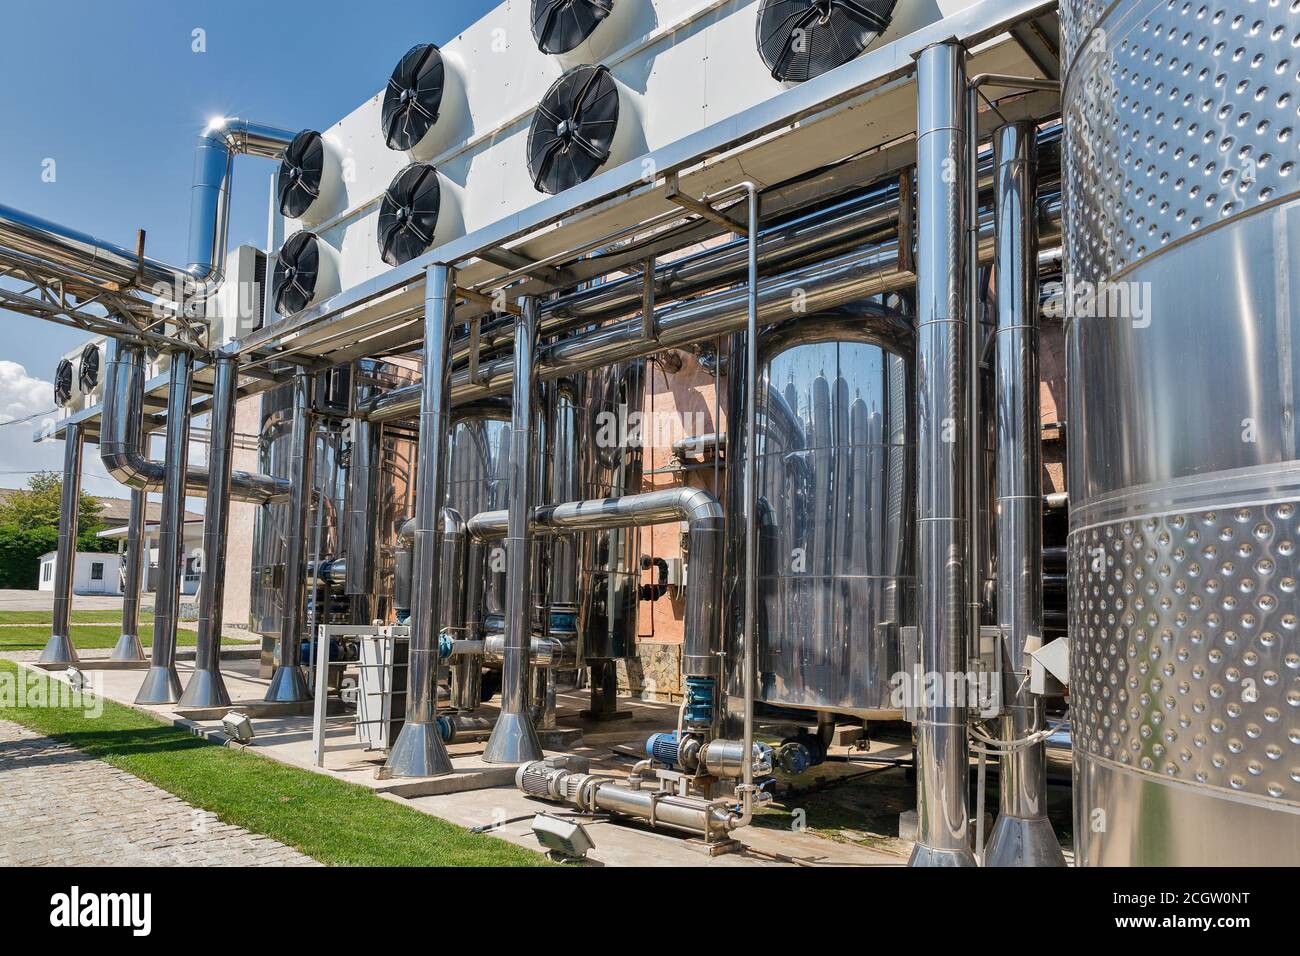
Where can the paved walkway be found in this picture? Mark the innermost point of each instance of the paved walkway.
(59, 807)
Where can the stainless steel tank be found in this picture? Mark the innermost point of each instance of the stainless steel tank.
(610, 465)
(835, 502)
(1182, 211)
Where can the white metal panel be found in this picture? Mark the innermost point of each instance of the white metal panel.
(687, 63)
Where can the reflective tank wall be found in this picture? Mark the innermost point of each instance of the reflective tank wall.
(834, 510)
(1181, 202)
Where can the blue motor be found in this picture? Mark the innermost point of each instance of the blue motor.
(662, 747)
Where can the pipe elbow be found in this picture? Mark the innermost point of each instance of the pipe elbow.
(699, 507)
(453, 525)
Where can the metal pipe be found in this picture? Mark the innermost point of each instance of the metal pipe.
(942, 520)
(59, 648)
(214, 158)
(287, 682)
(1022, 836)
(749, 658)
(451, 567)
(128, 644)
(161, 684)
(218, 144)
(419, 750)
(122, 439)
(699, 446)
(206, 688)
(514, 739)
(822, 285)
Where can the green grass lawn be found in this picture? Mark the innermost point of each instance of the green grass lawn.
(78, 617)
(335, 822)
(84, 638)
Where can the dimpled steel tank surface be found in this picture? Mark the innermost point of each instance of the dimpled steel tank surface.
(1182, 208)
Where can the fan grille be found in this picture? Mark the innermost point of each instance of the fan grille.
(560, 25)
(802, 39)
(299, 180)
(88, 373)
(408, 213)
(63, 383)
(413, 96)
(294, 282)
(573, 129)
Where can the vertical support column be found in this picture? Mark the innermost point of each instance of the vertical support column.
(206, 687)
(1023, 835)
(161, 684)
(287, 682)
(514, 739)
(128, 644)
(943, 525)
(419, 750)
(59, 649)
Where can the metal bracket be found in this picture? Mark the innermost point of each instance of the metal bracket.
(701, 207)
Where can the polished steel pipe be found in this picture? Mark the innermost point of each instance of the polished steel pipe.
(161, 684)
(206, 688)
(128, 644)
(214, 158)
(287, 682)
(514, 739)
(123, 441)
(419, 750)
(943, 524)
(59, 648)
(1022, 836)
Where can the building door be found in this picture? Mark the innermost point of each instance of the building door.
(96, 577)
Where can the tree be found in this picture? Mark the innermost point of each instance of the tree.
(29, 528)
(37, 506)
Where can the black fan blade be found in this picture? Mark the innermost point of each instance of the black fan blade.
(561, 25)
(413, 97)
(573, 129)
(802, 39)
(408, 213)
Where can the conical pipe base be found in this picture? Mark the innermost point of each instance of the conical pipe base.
(128, 649)
(59, 650)
(513, 740)
(162, 685)
(1017, 841)
(931, 857)
(418, 752)
(205, 689)
(288, 686)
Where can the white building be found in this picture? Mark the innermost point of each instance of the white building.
(92, 574)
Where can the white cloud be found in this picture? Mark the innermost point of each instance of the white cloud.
(22, 396)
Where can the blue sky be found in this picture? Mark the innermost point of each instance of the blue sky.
(114, 94)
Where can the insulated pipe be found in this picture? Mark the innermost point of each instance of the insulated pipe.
(942, 747)
(1022, 836)
(419, 750)
(122, 439)
(287, 682)
(102, 261)
(704, 516)
(59, 649)
(128, 644)
(206, 687)
(823, 285)
(451, 568)
(214, 158)
(161, 684)
(514, 739)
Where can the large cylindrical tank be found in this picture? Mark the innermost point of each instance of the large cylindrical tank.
(1182, 249)
(835, 500)
(610, 466)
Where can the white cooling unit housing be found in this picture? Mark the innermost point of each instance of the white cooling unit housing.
(468, 133)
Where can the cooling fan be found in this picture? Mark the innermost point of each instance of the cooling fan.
(561, 25)
(802, 39)
(301, 170)
(88, 372)
(63, 373)
(298, 273)
(408, 213)
(573, 129)
(413, 96)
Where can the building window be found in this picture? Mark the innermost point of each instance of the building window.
(47, 571)
(97, 571)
